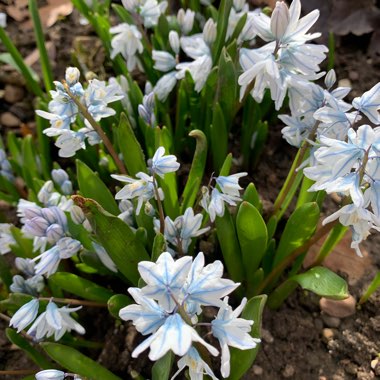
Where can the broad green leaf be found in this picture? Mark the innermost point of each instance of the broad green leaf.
(91, 186)
(133, 155)
(271, 226)
(117, 302)
(225, 229)
(226, 90)
(116, 237)
(253, 237)
(195, 177)
(32, 352)
(81, 287)
(281, 293)
(242, 360)
(219, 137)
(252, 196)
(323, 282)
(77, 363)
(299, 228)
(39, 34)
(225, 170)
(159, 246)
(222, 25)
(162, 367)
(254, 282)
(373, 286)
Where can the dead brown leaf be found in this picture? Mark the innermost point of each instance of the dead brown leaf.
(51, 13)
(17, 13)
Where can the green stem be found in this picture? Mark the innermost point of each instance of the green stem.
(83, 110)
(73, 301)
(297, 252)
(159, 203)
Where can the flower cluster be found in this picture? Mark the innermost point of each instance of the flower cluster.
(172, 300)
(63, 110)
(228, 191)
(145, 187)
(54, 321)
(286, 61)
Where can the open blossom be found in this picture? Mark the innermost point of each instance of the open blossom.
(186, 285)
(25, 315)
(232, 331)
(6, 238)
(163, 164)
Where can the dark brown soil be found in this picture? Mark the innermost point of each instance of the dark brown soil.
(298, 341)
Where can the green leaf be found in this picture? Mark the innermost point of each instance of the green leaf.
(29, 169)
(32, 352)
(117, 302)
(31, 81)
(222, 25)
(14, 302)
(44, 58)
(43, 143)
(219, 137)
(195, 177)
(226, 92)
(373, 286)
(242, 360)
(252, 196)
(133, 155)
(225, 230)
(225, 170)
(91, 186)
(117, 238)
(81, 287)
(5, 272)
(253, 237)
(159, 246)
(299, 228)
(77, 363)
(161, 369)
(323, 282)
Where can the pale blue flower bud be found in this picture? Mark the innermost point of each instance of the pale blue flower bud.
(67, 187)
(45, 192)
(209, 31)
(59, 176)
(50, 374)
(185, 20)
(72, 75)
(77, 215)
(32, 212)
(162, 164)
(25, 265)
(174, 41)
(25, 315)
(279, 20)
(54, 233)
(36, 227)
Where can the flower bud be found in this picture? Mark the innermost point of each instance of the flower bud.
(67, 187)
(54, 233)
(25, 315)
(238, 5)
(129, 5)
(59, 176)
(330, 79)
(72, 75)
(174, 41)
(3, 20)
(185, 20)
(149, 209)
(36, 227)
(45, 192)
(50, 374)
(32, 212)
(25, 265)
(209, 31)
(77, 215)
(279, 20)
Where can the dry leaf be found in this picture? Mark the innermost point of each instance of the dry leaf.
(34, 56)
(18, 14)
(51, 13)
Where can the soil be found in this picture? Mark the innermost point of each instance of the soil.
(299, 341)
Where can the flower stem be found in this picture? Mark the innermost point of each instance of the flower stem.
(297, 252)
(159, 203)
(18, 372)
(73, 301)
(83, 110)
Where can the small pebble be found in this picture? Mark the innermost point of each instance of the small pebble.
(353, 75)
(327, 334)
(7, 119)
(339, 309)
(267, 336)
(331, 321)
(288, 371)
(318, 323)
(257, 370)
(344, 83)
(13, 94)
